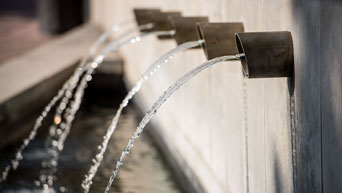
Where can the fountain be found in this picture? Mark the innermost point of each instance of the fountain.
(65, 92)
(62, 123)
(60, 129)
(193, 43)
(262, 54)
(281, 56)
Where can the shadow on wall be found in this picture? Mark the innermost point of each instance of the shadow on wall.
(318, 93)
(331, 95)
(307, 96)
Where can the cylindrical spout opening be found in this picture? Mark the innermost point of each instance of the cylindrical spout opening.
(267, 54)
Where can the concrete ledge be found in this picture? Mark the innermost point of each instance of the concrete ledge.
(28, 82)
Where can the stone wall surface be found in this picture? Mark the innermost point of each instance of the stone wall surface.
(204, 122)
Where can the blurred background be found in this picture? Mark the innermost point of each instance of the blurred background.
(26, 24)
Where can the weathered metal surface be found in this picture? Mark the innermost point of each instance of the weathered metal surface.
(219, 38)
(267, 54)
(186, 28)
(161, 22)
(143, 16)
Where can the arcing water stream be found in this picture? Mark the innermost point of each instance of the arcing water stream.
(62, 124)
(149, 72)
(148, 116)
(66, 90)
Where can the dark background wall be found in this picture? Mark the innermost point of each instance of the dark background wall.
(22, 7)
(55, 16)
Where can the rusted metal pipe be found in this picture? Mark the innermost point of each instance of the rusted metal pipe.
(143, 16)
(219, 38)
(267, 54)
(186, 28)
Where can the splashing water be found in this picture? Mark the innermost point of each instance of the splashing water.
(47, 178)
(148, 116)
(66, 89)
(149, 72)
(61, 128)
(69, 94)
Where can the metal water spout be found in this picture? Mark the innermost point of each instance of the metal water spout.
(143, 17)
(161, 22)
(186, 28)
(159, 19)
(219, 38)
(266, 54)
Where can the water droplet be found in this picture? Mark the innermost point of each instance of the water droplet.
(94, 65)
(57, 120)
(62, 189)
(15, 164)
(89, 77)
(42, 178)
(26, 141)
(60, 147)
(98, 157)
(62, 106)
(37, 183)
(54, 164)
(68, 94)
(54, 143)
(59, 131)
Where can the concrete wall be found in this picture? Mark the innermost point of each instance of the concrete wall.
(203, 122)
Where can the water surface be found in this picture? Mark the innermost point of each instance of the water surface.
(144, 171)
